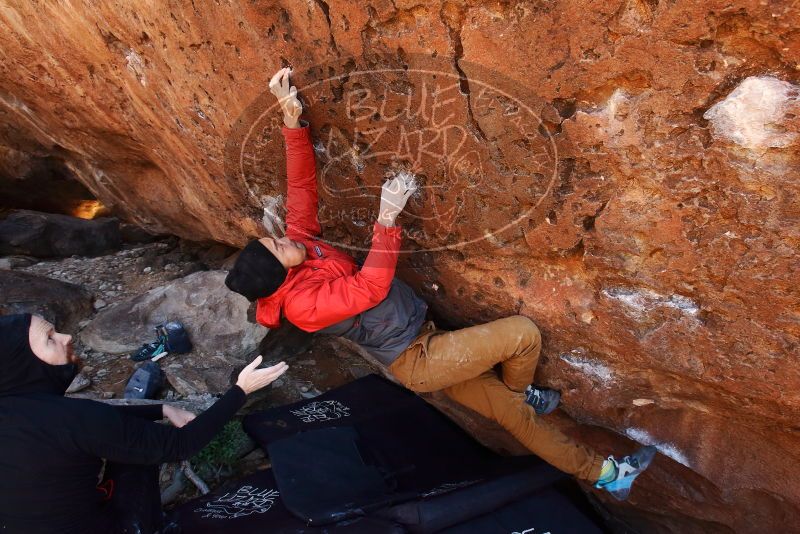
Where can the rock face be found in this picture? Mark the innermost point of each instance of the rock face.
(625, 173)
(215, 318)
(47, 235)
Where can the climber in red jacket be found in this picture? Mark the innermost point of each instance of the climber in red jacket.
(320, 289)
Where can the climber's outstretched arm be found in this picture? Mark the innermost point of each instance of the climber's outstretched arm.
(301, 168)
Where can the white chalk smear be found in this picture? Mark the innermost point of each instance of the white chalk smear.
(358, 162)
(590, 367)
(752, 116)
(667, 449)
(639, 301)
(684, 304)
(272, 220)
(136, 66)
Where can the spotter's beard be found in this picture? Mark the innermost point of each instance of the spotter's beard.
(73, 358)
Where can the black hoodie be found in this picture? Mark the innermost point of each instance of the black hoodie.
(51, 447)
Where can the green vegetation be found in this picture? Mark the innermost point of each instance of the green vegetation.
(223, 451)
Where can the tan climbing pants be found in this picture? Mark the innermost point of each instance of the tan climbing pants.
(461, 365)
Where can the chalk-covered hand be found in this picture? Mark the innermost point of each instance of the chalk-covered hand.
(286, 93)
(394, 195)
(177, 416)
(252, 379)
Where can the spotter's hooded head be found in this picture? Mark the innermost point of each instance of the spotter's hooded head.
(21, 370)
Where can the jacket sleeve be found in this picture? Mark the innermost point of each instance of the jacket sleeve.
(150, 412)
(326, 300)
(118, 437)
(301, 189)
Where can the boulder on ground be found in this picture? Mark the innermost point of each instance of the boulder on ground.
(196, 374)
(15, 262)
(63, 304)
(48, 235)
(131, 233)
(215, 318)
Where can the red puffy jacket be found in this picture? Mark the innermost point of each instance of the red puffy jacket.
(327, 287)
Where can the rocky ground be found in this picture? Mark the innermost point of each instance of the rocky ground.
(119, 278)
(110, 279)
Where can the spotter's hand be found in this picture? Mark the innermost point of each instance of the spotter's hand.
(286, 93)
(252, 379)
(177, 416)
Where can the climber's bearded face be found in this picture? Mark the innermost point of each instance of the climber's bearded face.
(48, 345)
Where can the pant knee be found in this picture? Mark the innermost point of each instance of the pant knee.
(531, 335)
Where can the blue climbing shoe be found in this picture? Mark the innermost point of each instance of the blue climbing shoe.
(543, 400)
(627, 470)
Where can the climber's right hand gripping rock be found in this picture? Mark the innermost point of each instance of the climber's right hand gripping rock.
(394, 195)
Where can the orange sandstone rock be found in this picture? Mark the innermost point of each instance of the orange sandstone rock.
(624, 172)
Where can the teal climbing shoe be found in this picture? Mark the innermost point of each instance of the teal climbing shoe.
(627, 470)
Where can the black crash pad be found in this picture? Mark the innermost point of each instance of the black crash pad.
(254, 506)
(371, 444)
(542, 512)
(371, 457)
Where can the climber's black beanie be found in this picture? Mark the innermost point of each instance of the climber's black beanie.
(257, 273)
